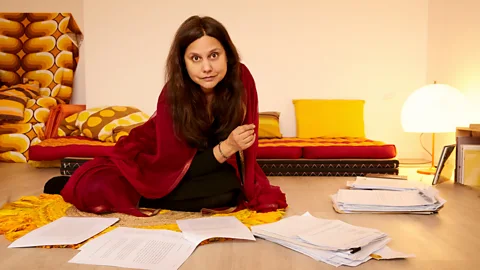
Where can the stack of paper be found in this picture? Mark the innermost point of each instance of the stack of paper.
(375, 195)
(385, 184)
(331, 241)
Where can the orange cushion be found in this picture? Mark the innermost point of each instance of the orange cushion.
(332, 147)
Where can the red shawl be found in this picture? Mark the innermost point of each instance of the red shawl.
(151, 161)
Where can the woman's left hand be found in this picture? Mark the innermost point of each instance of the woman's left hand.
(241, 138)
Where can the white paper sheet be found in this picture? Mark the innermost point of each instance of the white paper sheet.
(200, 229)
(137, 248)
(64, 231)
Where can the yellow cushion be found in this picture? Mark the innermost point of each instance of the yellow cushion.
(329, 118)
(269, 125)
(100, 123)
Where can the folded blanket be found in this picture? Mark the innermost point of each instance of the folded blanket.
(13, 101)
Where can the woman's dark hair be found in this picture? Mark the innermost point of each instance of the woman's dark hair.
(187, 101)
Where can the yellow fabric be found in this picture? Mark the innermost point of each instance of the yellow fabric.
(329, 118)
(103, 123)
(269, 125)
(31, 212)
(45, 163)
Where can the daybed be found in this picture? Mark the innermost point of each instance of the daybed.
(288, 161)
(330, 141)
(337, 156)
(350, 155)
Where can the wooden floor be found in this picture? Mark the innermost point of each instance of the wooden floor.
(448, 240)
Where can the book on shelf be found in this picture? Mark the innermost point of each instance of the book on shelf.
(467, 169)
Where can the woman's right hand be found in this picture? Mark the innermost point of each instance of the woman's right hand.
(241, 138)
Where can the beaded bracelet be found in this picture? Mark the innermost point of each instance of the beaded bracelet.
(220, 150)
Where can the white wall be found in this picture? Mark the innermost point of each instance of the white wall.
(73, 6)
(453, 52)
(377, 50)
(372, 49)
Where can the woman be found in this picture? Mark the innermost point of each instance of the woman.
(199, 148)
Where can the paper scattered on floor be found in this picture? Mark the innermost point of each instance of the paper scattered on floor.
(331, 241)
(137, 248)
(200, 229)
(158, 249)
(64, 231)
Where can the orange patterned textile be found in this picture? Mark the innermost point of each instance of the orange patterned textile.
(61, 147)
(39, 53)
(41, 47)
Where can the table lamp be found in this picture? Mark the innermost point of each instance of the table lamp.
(434, 108)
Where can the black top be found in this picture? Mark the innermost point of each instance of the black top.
(206, 177)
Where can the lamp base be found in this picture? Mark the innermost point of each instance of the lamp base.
(429, 171)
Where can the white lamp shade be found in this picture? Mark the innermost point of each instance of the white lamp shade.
(435, 108)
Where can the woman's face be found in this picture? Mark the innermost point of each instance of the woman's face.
(206, 62)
